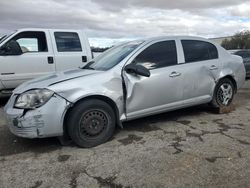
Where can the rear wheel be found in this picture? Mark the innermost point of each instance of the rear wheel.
(223, 93)
(91, 122)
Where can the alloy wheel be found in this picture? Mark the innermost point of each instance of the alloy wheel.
(225, 94)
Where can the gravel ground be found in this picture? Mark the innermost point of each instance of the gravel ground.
(193, 147)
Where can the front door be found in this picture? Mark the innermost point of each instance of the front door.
(163, 89)
(36, 59)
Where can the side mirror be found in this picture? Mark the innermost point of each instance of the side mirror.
(11, 48)
(137, 69)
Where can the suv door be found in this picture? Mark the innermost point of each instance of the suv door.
(70, 52)
(202, 61)
(163, 89)
(33, 61)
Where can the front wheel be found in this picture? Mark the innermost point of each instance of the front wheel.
(223, 93)
(91, 122)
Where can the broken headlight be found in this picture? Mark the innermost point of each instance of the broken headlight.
(33, 98)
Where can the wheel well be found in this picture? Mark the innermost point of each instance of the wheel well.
(100, 97)
(233, 80)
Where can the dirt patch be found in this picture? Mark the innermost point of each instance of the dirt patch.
(213, 159)
(203, 122)
(184, 122)
(130, 139)
(176, 144)
(37, 184)
(140, 127)
(63, 158)
(196, 135)
(73, 181)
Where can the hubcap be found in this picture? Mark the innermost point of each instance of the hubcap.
(225, 94)
(93, 123)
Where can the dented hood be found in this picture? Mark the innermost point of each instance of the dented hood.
(51, 79)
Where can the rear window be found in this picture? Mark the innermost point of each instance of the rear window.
(67, 42)
(195, 50)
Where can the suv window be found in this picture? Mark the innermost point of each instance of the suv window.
(158, 55)
(32, 41)
(195, 50)
(67, 42)
(28, 44)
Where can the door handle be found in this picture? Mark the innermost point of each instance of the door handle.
(174, 74)
(50, 60)
(213, 67)
(84, 59)
(7, 73)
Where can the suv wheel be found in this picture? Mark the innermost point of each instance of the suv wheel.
(91, 123)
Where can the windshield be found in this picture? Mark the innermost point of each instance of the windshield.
(5, 37)
(2, 38)
(112, 57)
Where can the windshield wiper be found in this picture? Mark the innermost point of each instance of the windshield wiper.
(88, 66)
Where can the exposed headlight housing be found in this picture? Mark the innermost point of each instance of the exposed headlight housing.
(33, 98)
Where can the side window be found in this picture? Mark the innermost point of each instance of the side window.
(28, 44)
(161, 54)
(195, 50)
(67, 42)
(32, 41)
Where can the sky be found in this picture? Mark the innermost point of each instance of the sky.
(108, 21)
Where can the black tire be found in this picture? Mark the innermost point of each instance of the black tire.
(219, 96)
(91, 122)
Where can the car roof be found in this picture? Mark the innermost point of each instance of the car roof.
(155, 39)
(175, 38)
(46, 29)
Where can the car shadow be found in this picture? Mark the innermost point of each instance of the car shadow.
(145, 124)
(10, 144)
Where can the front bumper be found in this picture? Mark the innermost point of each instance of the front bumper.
(45, 121)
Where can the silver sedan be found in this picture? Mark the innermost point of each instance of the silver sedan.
(132, 80)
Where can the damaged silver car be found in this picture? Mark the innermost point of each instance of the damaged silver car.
(132, 80)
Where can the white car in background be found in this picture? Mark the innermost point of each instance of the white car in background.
(31, 53)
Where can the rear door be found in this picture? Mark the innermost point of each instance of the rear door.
(33, 62)
(203, 65)
(70, 49)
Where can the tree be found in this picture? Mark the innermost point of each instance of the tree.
(240, 40)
